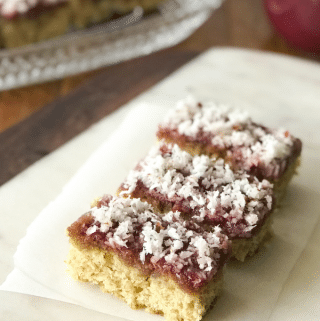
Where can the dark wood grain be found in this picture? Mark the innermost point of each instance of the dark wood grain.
(50, 127)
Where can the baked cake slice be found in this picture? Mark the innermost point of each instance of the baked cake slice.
(206, 193)
(24, 22)
(215, 130)
(149, 261)
(87, 12)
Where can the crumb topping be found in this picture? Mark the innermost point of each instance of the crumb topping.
(11, 7)
(245, 142)
(160, 243)
(205, 187)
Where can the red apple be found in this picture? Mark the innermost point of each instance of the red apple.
(298, 21)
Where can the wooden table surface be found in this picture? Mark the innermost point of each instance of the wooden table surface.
(36, 120)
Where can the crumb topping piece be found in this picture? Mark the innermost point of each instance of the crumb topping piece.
(232, 131)
(205, 187)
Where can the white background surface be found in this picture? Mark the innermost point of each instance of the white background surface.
(279, 91)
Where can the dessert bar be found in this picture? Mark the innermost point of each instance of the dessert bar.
(150, 261)
(206, 192)
(27, 21)
(24, 21)
(215, 130)
(87, 12)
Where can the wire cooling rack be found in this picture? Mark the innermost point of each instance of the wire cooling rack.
(131, 36)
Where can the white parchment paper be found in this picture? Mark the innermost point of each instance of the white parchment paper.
(254, 290)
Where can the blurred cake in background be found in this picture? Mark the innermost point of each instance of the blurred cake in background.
(87, 12)
(24, 22)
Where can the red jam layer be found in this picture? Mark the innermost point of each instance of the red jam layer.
(154, 245)
(230, 134)
(205, 191)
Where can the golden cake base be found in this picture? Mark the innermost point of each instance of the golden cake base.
(156, 294)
